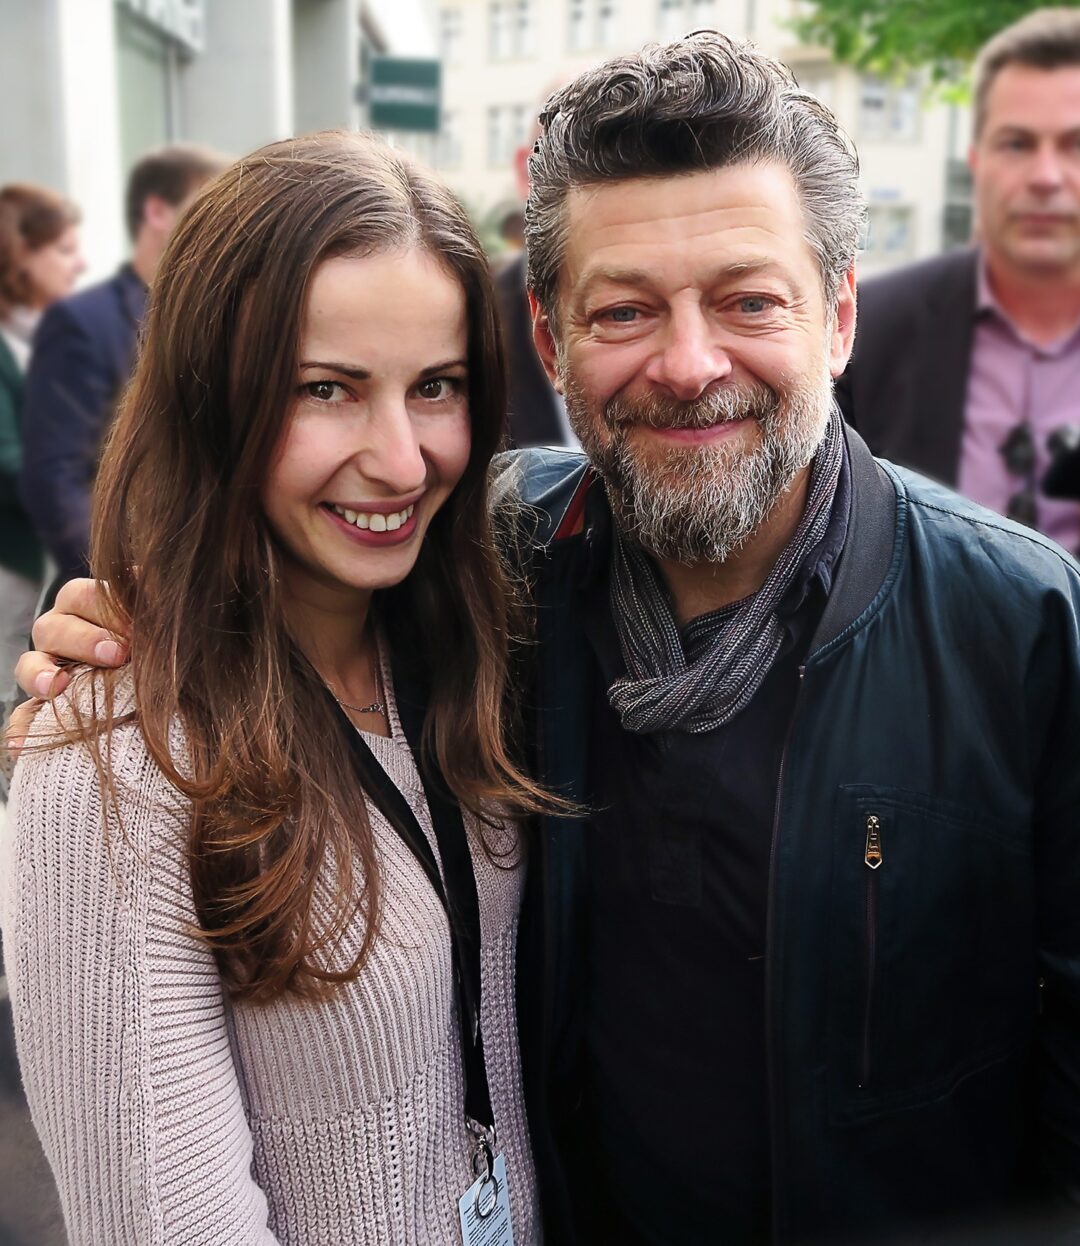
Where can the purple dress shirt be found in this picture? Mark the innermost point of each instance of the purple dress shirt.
(1012, 381)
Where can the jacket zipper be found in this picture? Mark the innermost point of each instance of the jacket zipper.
(873, 856)
(771, 1056)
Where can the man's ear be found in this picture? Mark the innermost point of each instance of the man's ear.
(843, 330)
(544, 341)
(159, 215)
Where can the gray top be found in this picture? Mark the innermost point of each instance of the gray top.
(170, 1115)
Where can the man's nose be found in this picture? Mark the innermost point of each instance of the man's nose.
(690, 357)
(1046, 174)
(392, 454)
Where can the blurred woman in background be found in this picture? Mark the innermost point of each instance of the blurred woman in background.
(40, 260)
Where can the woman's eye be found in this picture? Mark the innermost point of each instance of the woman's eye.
(324, 391)
(622, 315)
(437, 387)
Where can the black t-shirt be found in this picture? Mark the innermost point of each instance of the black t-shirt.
(675, 1003)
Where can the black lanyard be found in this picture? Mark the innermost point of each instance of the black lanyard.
(457, 895)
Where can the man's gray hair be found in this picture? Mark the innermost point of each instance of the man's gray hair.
(703, 102)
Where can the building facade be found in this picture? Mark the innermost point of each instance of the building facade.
(87, 86)
(502, 57)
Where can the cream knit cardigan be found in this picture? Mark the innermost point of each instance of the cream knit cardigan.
(170, 1115)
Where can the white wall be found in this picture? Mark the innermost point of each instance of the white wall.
(61, 125)
(326, 51)
(238, 94)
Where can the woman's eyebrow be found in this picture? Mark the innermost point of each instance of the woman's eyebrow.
(357, 374)
(362, 374)
(443, 367)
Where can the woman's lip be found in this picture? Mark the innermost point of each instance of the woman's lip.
(364, 536)
(377, 508)
(698, 436)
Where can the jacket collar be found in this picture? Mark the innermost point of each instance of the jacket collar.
(132, 293)
(870, 550)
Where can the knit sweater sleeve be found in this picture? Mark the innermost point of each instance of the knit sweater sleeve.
(119, 1011)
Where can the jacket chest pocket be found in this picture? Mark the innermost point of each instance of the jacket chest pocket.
(933, 957)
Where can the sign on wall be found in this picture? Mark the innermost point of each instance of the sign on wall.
(404, 94)
(182, 20)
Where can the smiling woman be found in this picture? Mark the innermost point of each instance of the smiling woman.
(265, 822)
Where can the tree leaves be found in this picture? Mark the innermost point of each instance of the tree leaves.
(894, 37)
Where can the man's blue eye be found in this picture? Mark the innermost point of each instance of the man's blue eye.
(754, 303)
(623, 315)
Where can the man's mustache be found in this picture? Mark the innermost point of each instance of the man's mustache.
(718, 407)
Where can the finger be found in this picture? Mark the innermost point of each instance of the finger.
(83, 598)
(67, 637)
(18, 727)
(39, 676)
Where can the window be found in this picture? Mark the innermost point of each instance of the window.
(891, 236)
(818, 81)
(606, 30)
(510, 29)
(500, 27)
(578, 34)
(888, 111)
(507, 131)
(448, 146)
(592, 24)
(450, 35)
(523, 28)
(671, 20)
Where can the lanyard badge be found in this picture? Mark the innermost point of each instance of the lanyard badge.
(484, 1208)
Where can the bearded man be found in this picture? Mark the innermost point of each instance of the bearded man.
(809, 969)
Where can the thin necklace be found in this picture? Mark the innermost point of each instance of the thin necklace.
(376, 707)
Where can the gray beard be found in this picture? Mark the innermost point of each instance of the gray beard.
(701, 503)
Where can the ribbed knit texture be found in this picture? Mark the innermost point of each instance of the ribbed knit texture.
(172, 1116)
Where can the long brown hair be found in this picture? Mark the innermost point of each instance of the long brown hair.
(31, 217)
(193, 571)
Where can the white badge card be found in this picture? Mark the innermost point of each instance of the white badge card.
(484, 1209)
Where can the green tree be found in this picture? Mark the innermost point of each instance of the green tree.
(893, 36)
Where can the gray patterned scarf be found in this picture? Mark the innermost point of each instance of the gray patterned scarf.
(700, 679)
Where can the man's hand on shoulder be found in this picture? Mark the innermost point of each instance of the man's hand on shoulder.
(71, 633)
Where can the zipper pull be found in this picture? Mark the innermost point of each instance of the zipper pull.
(873, 856)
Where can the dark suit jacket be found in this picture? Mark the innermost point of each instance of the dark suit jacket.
(906, 385)
(83, 352)
(20, 550)
(535, 417)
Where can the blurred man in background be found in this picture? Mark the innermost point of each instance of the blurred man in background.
(967, 367)
(83, 352)
(537, 414)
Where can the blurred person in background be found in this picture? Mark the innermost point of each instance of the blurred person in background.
(967, 366)
(40, 261)
(537, 414)
(84, 349)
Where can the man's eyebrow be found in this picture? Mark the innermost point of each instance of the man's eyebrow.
(615, 277)
(1013, 128)
(639, 277)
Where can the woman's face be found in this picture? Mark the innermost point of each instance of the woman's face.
(54, 268)
(379, 431)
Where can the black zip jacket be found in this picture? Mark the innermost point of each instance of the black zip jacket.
(923, 958)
